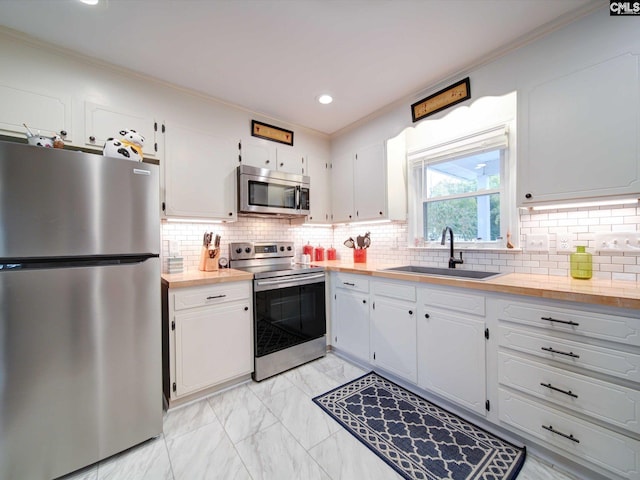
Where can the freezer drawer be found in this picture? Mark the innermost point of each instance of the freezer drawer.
(80, 365)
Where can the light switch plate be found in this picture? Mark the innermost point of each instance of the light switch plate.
(619, 242)
(537, 242)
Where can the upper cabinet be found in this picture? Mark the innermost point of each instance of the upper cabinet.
(581, 135)
(361, 186)
(103, 122)
(265, 154)
(370, 182)
(342, 189)
(320, 198)
(200, 174)
(48, 113)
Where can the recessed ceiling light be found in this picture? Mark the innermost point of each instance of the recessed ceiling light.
(325, 99)
(90, 2)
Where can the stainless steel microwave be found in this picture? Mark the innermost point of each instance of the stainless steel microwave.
(269, 192)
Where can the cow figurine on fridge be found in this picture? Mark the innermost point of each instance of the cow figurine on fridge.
(129, 146)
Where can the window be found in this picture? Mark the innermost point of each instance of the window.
(463, 184)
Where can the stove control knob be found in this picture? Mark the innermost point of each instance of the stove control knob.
(281, 248)
(238, 250)
(289, 248)
(247, 250)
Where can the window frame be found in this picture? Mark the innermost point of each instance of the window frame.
(496, 137)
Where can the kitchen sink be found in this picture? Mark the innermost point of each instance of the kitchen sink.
(444, 272)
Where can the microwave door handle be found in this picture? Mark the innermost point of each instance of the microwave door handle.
(298, 201)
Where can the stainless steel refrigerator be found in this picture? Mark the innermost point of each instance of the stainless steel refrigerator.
(80, 309)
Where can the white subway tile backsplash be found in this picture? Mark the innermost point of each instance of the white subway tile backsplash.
(389, 241)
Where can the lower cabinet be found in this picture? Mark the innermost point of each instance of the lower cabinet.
(560, 375)
(556, 429)
(452, 353)
(451, 358)
(568, 378)
(208, 337)
(350, 314)
(393, 329)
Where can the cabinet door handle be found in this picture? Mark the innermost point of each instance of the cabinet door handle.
(566, 322)
(246, 308)
(566, 392)
(215, 296)
(426, 315)
(568, 354)
(410, 312)
(553, 430)
(349, 284)
(364, 301)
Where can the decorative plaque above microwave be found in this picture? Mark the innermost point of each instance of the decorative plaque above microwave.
(269, 132)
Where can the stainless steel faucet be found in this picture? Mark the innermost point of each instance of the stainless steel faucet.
(452, 260)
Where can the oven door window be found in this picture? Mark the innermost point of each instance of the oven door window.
(288, 316)
(263, 194)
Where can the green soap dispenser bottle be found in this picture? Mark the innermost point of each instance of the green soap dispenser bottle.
(581, 263)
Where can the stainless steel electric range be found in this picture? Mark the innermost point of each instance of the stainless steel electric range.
(288, 306)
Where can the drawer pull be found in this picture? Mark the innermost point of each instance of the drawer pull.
(215, 296)
(349, 284)
(569, 392)
(566, 322)
(552, 430)
(568, 354)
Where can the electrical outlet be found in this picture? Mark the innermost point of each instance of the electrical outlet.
(537, 242)
(564, 242)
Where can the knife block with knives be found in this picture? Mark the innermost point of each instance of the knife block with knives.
(210, 253)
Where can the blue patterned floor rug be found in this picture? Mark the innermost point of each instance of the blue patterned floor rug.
(418, 439)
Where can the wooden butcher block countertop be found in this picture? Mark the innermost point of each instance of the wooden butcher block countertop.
(612, 293)
(196, 277)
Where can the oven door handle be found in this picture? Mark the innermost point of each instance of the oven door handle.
(290, 281)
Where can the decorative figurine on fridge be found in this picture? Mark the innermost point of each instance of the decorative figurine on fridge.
(129, 146)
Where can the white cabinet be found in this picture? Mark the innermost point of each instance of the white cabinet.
(350, 315)
(318, 171)
(452, 346)
(209, 339)
(104, 121)
(49, 113)
(366, 185)
(265, 154)
(342, 189)
(569, 377)
(200, 174)
(359, 185)
(393, 328)
(581, 131)
(370, 182)
(289, 160)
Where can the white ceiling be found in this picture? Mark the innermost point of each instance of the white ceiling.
(276, 56)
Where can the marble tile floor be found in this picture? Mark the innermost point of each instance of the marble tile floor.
(263, 431)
